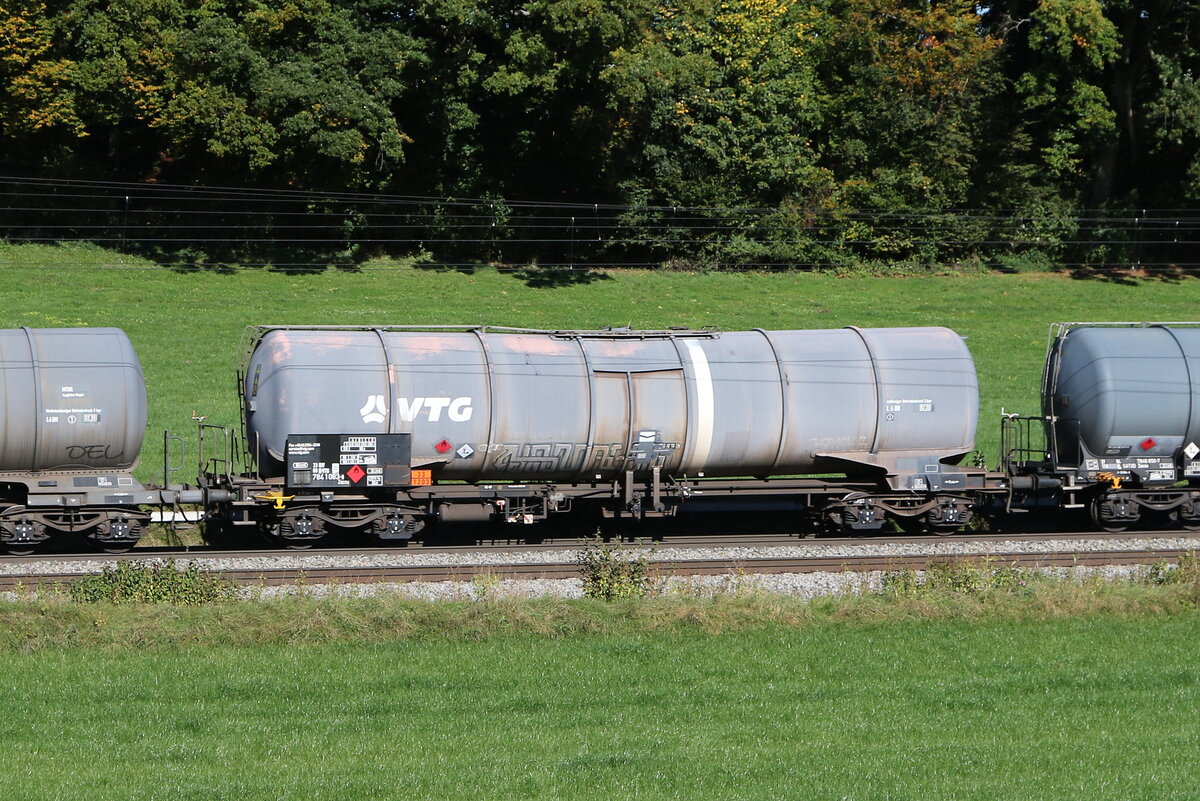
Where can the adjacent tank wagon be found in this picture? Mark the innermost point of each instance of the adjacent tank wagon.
(1121, 423)
(74, 415)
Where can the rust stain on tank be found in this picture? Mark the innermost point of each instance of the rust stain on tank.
(281, 345)
(611, 348)
(278, 348)
(339, 343)
(539, 345)
(419, 347)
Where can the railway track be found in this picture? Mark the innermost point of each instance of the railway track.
(560, 570)
(865, 561)
(498, 545)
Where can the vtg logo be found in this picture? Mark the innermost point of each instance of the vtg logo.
(374, 410)
(457, 410)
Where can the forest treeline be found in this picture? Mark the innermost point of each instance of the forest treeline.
(810, 109)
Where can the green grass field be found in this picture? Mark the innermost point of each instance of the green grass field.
(1045, 698)
(1063, 709)
(188, 327)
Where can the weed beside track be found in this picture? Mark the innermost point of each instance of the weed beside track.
(191, 613)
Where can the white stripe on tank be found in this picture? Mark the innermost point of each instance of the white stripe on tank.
(702, 435)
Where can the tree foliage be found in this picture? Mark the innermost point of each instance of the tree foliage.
(273, 91)
(806, 107)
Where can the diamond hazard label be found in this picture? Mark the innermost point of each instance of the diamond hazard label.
(1148, 443)
(355, 474)
(1191, 450)
(444, 446)
(465, 452)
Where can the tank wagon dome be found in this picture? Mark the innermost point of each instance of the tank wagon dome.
(514, 404)
(72, 399)
(1123, 391)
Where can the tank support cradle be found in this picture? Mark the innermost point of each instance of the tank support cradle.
(642, 501)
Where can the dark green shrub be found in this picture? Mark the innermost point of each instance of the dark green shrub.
(965, 578)
(610, 572)
(158, 582)
(1187, 572)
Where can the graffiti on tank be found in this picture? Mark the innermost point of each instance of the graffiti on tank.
(77, 452)
(566, 457)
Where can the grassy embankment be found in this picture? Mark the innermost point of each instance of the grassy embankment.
(187, 327)
(1079, 708)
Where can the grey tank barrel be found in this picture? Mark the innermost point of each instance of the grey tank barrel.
(73, 399)
(1124, 391)
(593, 406)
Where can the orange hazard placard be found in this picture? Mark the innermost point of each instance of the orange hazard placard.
(422, 478)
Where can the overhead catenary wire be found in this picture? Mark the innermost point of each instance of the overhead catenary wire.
(197, 227)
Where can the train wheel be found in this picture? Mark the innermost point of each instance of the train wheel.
(300, 532)
(948, 518)
(1174, 520)
(1113, 515)
(1186, 516)
(300, 545)
(856, 515)
(27, 535)
(278, 539)
(396, 529)
(116, 534)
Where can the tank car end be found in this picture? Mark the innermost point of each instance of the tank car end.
(1119, 433)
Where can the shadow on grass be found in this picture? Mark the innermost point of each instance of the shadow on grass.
(559, 277)
(311, 261)
(462, 269)
(286, 260)
(1131, 276)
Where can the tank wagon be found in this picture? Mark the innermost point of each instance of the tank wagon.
(1120, 425)
(71, 428)
(385, 429)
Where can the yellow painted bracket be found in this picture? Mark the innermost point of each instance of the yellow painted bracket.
(277, 499)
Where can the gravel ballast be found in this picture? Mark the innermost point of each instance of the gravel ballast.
(804, 585)
(662, 554)
(799, 585)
